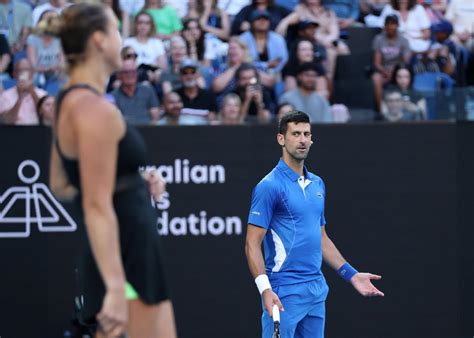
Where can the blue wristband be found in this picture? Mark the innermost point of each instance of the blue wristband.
(347, 272)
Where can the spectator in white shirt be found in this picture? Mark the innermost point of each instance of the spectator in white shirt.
(414, 23)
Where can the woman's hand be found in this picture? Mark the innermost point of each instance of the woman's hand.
(113, 316)
(156, 184)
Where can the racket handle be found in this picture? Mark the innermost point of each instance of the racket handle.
(276, 313)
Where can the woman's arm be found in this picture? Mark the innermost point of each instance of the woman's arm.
(289, 20)
(222, 80)
(97, 153)
(58, 182)
(31, 55)
(330, 32)
(222, 33)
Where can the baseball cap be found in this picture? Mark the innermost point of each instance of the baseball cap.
(257, 14)
(307, 23)
(392, 18)
(188, 63)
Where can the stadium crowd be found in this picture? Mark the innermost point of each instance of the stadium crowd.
(190, 62)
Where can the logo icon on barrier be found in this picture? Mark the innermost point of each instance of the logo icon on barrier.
(22, 206)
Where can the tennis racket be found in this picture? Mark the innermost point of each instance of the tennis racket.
(276, 322)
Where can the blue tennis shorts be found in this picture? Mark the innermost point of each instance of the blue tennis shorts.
(305, 311)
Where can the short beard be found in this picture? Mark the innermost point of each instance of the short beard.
(298, 157)
(190, 84)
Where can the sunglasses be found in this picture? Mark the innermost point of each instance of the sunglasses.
(188, 72)
(130, 56)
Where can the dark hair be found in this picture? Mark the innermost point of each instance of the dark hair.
(200, 46)
(200, 7)
(269, 2)
(294, 116)
(392, 18)
(395, 4)
(77, 24)
(246, 66)
(116, 9)
(397, 68)
(389, 92)
(307, 66)
(293, 59)
(40, 103)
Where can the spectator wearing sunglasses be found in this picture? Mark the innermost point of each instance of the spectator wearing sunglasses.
(137, 101)
(196, 101)
(127, 53)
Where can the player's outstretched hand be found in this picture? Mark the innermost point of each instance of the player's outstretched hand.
(270, 298)
(362, 283)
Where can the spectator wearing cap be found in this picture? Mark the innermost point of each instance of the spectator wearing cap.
(347, 11)
(196, 101)
(267, 48)
(241, 21)
(461, 14)
(137, 101)
(306, 29)
(305, 98)
(327, 33)
(303, 51)
(451, 51)
(173, 113)
(414, 23)
(16, 22)
(257, 104)
(390, 49)
(18, 104)
(170, 79)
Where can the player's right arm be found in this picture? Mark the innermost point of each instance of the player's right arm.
(253, 250)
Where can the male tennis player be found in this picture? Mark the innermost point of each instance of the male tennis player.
(287, 214)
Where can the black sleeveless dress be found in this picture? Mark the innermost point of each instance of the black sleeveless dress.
(139, 239)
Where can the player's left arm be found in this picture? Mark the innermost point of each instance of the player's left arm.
(361, 281)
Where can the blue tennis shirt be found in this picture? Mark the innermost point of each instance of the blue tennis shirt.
(291, 208)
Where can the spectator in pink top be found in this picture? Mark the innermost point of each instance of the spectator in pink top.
(18, 104)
